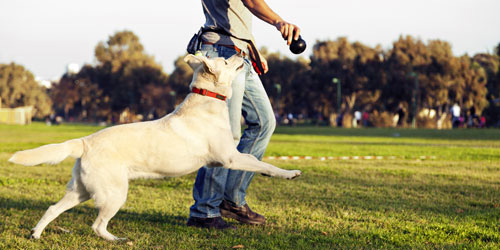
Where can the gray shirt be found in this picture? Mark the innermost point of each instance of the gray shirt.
(231, 16)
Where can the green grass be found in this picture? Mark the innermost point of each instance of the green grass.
(448, 202)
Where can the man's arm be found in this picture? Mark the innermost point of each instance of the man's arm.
(261, 10)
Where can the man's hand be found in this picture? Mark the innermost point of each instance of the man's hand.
(262, 60)
(264, 63)
(288, 31)
(261, 10)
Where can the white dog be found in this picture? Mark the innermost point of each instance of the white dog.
(197, 133)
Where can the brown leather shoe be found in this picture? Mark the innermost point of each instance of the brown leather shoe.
(242, 214)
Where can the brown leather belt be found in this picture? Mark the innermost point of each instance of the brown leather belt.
(238, 50)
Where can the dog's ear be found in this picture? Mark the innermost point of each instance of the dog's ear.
(195, 62)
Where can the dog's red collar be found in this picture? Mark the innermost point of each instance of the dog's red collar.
(208, 93)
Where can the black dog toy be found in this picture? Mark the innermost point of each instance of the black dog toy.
(298, 46)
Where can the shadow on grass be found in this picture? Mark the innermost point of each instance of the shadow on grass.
(158, 227)
(123, 214)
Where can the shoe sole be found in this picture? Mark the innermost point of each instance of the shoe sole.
(216, 228)
(190, 224)
(233, 216)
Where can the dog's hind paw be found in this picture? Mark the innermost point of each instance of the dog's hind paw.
(114, 238)
(34, 237)
(294, 174)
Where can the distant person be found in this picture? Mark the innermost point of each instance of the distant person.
(401, 113)
(340, 119)
(473, 117)
(357, 117)
(290, 119)
(365, 119)
(395, 120)
(455, 116)
(461, 120)
(482, 122)
(228, 31)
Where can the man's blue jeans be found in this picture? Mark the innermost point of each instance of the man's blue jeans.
(249, 98)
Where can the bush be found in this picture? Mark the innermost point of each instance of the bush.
(381, 120)
(426, 122)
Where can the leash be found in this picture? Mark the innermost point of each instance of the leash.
(208, 93)
(196, 41)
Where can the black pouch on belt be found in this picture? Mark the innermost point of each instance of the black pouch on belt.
(195, 43)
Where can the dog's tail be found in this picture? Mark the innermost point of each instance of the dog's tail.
(52, 153)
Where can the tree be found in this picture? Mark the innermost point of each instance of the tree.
(19, 88)
(407, 56)
(442, 78)
(356, 66)
(179, 80)
(125, 78)
(491, 64)
(126, 69)
(79, 96)
(123, 52)
(286, 83)
(470, 85)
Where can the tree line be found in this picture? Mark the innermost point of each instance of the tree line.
(340, 77)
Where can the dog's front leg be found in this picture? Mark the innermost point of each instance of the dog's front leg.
(247, 162)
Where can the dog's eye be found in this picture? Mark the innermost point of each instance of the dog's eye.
(240, 67)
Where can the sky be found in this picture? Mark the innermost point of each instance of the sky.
(45, 36)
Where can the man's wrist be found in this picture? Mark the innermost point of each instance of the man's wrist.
(278, 21)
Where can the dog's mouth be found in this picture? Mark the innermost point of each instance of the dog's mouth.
(241, 66)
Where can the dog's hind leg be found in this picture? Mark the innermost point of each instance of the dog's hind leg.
(109, 201)
(248, 162)
(75, 194)
(106, 212)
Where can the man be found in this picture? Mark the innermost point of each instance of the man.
(217, 191)
(455, 113)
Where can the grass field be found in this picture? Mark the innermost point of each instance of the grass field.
(451, 201)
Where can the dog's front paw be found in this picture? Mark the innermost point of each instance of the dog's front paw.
(294, 174)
